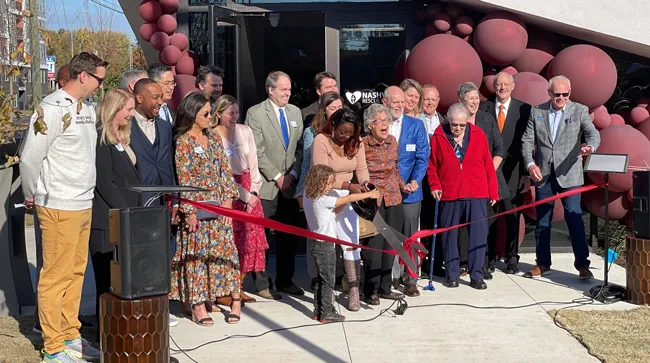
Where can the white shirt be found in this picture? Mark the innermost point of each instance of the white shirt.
(165, 114)
(320, 214)
(506, 106)
(431, 123)
(147, 126)
(396, 128)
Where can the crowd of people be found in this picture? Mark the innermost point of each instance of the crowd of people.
(293, 166)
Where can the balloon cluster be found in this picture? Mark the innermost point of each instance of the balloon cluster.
(437, 19)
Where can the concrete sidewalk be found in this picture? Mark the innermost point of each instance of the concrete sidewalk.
(508, 322)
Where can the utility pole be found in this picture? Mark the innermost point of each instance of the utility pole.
(35, 52)
(71, 45)
(130, 55)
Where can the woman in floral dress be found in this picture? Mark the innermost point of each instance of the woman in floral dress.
(242, 154)
(206, 264)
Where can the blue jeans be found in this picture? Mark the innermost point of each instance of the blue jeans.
(573, 218)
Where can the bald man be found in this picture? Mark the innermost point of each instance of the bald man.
(63, 75)
(412, 163)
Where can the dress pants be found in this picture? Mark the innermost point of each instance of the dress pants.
(573, 218)
(463, 236)
(451, 213)
(284, 210)
(511, 255)
(378, 266)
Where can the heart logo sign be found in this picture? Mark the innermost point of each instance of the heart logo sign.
(353, 97)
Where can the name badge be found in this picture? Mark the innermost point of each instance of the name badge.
(293, 124)
(198, 150)
(539, 118)
(119, 147)
(229, 152)
(410, 147)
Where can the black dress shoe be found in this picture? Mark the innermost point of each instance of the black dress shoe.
(511, 269)
(394, 295)
(491, 267)
(487, 275)
(292, 289)
(372, 300)
(478, 284)
(451, 283)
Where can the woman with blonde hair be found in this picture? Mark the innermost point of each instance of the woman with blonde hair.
(413, 93)
(240, 148)
(116, 168)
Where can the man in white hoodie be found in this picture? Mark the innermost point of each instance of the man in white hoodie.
(58, 176)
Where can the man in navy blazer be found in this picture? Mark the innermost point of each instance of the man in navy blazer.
(412, 163)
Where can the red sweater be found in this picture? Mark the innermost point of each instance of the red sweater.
(474, 178)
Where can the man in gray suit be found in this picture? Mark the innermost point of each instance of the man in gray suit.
(554, 134)
(277, 129)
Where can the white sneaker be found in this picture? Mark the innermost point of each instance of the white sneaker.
(65, 356)
(81, 349)
(172, 321)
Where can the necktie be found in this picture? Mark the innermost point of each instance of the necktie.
(501, 120)
(285, 129)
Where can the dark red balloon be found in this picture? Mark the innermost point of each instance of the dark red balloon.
(432, 10)
(601, 118)
(184, 85)
(644, 128)
(454, 11)
(169, 6)
(195, 59)
(147, 30)
(638, 115)
(488, 82)
(185, 66)
(464, 26)
(159, 40)
(150, 11)
(618, 207)
(179, 40)
(531, 88)
(442, 22)
(167, 23)
(623, 140)
(445, 61)
(643, 102)
(500, 38)
(510, 70)
(591, 71)
(170, 55)
(541, 49)
(430, 30)
(616, 120)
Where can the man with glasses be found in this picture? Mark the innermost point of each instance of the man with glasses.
(58, 176)
(165, 77)
(554, 133)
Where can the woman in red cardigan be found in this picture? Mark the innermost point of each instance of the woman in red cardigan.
(462, 178)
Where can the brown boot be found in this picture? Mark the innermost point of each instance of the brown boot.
(245, 298)
(353, 272)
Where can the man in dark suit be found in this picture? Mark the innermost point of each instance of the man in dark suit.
(278, 136)
(323, 82)
(512, 117)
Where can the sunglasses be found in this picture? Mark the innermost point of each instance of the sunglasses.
(98, 79)
(557, 94)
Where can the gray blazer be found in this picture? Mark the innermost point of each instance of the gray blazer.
(273, 158)
(563, 153)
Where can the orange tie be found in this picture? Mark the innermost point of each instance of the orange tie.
(501, 120)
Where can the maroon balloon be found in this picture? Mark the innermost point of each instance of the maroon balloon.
(159, 40)
(185, 66)
(464, 26)
(591, 71)
(167, 23)
(432, 10)
(623, 140)
(638, 115)
(170, 55)
(446, 61)
(643, 102)
(150, 11)
(184, 85)
(195, 59)
(488, 83)
(644, 128)
(618, 206)
(442, 22)
(542, 48)
(147, 30)
(500, 38)
(601, 118)
(454, 11)
(616, 120)
(531, 88)
(179, 40)
(169, 6)
(510, 70)
(430, 30)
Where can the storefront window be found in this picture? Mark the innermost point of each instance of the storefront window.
(199, 36)
(207, 2)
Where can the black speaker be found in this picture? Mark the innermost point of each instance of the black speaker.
(140, 238)
(640, 198)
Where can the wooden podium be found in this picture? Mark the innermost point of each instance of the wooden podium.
(638, 270)
(134, 330)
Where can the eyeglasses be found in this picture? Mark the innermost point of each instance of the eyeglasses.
(558, 94)
(206, 114)
(168, 84)
(98, 79)
(381, 121)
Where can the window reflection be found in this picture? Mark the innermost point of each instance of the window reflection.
(207, 2)
(199, 37)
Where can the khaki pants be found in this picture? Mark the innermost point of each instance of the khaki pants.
(65, 254)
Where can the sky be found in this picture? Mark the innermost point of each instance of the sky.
(70, 14)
